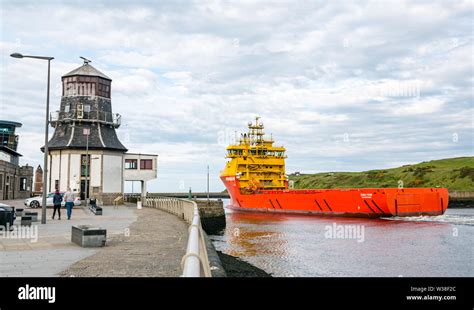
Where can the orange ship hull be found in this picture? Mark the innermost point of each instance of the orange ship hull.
(361, 202)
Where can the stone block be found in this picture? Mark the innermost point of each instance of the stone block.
(88, 236)
(95, 209)
(33, 215)
(26, 220)
(19, 212)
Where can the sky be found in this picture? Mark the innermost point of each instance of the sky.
(343, 85)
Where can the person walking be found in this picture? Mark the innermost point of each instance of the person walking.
(69, 198)
(57, 199)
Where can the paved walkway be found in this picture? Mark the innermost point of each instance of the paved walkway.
(156, 244)
(146, 242)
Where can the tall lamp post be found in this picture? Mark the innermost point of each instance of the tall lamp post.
(45, 171)
(87, 132)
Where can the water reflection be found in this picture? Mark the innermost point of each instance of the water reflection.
(246, 241)
(293, 245)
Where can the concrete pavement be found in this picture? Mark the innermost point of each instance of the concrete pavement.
(154, 248)
(151, 240)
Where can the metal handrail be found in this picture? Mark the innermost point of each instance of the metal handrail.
(195, 263)
(108, 118)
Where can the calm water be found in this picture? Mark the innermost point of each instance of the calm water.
(293, 245)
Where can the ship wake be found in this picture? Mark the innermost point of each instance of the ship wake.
(445, 219)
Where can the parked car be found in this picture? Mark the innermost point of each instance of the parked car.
(7, 215)
(35, 202)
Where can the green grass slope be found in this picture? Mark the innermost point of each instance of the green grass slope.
(452, 173)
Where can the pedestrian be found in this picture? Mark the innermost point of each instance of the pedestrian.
(57, 199)
(69, 198)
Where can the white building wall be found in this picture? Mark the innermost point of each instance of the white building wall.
(4, 156)
(95, 170)
(63, 173)
(112, 165)
(140, 174)
(75, 172)
(54, 171)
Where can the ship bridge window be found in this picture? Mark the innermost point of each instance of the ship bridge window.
(235, 152)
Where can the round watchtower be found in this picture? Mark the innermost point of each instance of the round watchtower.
(90, 163)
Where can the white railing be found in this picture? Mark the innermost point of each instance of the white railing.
(195, 263)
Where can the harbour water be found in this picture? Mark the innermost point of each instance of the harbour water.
(311, 246)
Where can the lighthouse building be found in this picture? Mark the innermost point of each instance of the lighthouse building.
(85, 153)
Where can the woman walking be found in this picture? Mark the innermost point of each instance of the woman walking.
(57, 199)
(69, 198)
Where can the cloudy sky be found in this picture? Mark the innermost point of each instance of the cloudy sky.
(343, 86)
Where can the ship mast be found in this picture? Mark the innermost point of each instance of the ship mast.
(256, 133)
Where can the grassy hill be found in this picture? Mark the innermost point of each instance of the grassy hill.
(453, 173)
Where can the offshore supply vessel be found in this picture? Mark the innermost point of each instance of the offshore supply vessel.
(256, 181)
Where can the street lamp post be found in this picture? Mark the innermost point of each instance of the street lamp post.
(87, 132)
(45, 165)
(208, 183)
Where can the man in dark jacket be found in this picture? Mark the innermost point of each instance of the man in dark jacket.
(57, 199)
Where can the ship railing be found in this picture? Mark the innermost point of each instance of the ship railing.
(108, 118)
(195, 263)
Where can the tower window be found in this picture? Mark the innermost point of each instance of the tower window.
(146, 164)
(87, 110)
(85, 165)
(130, 164)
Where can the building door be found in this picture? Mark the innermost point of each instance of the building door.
(6, 192)
(83, 190)
(13, 187)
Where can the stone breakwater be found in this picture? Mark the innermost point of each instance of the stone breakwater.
(212, 215)
(461, 199)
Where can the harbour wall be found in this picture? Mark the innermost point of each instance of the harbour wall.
(212, 215)
(461, 199)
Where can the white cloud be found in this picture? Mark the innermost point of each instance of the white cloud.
(315, 72)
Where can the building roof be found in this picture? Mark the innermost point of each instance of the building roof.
(9, 151)
(87, 69)
(101, 137)
(10, 123)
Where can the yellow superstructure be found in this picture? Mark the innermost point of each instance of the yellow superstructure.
(255, 161)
